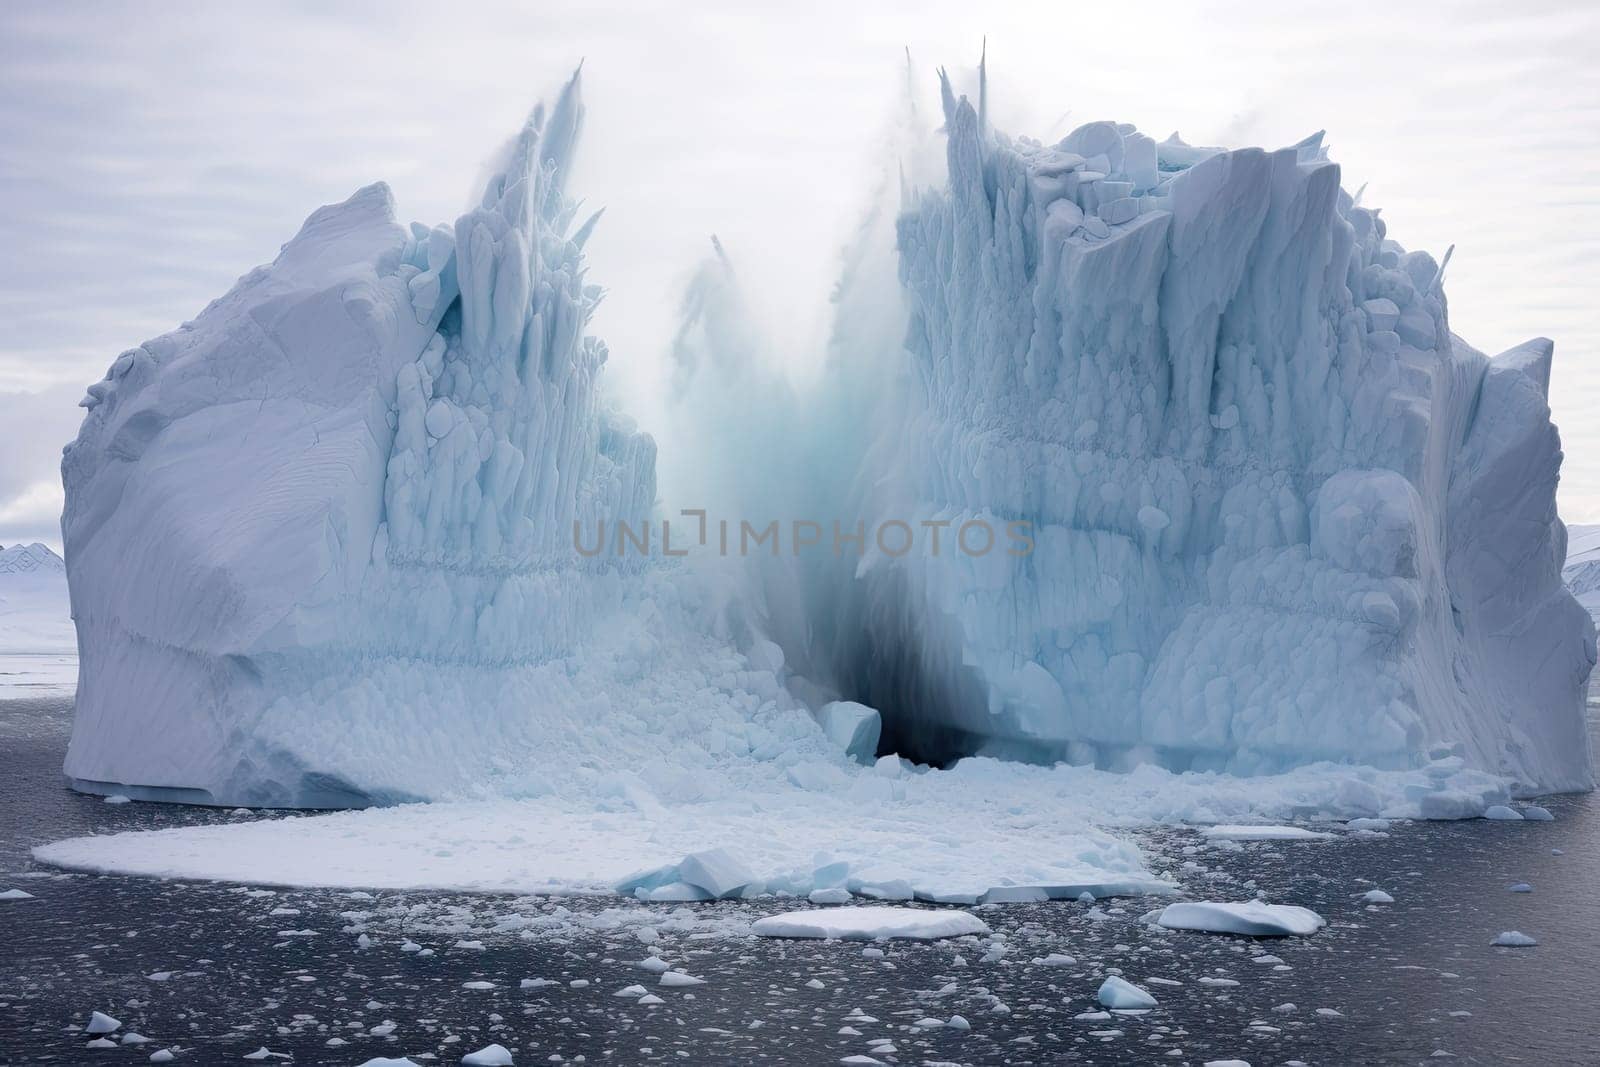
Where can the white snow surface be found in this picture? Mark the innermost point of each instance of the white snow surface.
(870, 924)
(1294, 549)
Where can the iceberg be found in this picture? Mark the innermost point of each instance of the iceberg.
(1268, 540)
(38, 648)
(1264, 507)
(312, 528)
(34, 616)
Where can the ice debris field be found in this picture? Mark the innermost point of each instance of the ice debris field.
(1292, 551)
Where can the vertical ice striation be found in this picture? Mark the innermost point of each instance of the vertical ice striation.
(1280, 513)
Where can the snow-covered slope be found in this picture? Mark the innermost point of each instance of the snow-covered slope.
(1278, 512)
(34, 612)
(324, 541)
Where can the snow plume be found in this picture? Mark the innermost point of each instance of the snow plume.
(1215, 489)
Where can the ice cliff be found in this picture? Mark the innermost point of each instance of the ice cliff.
(313, 531)
(320, 539)
(1280, 512)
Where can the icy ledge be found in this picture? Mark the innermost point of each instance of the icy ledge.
(984, 830)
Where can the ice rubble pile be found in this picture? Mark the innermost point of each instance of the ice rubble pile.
(1280, 512)
(319, 538)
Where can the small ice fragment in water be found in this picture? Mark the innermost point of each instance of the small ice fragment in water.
(1263, 833)
(1121, 994)
(1251, 918)
(678, 979)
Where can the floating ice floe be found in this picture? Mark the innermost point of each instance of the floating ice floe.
(1264, 833)
(870, 924)
(1513, 939)
(1250, 918)
(1119, 994)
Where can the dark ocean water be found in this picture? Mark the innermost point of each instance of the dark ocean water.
(237, 969)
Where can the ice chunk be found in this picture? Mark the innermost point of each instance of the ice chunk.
(100, 1023)
(1264, 833)
(488, 1056)
(853, 727)
(1513, 939)
(15, 894)
(679, 980)
(870, 923)
(715, 871)
(1534, 813)
(1377, 896)
(834, 895)
(1382, 314)
(1056, 959)
(1120, 994)
(1502, 812)
(677, 892)
(1251, 918)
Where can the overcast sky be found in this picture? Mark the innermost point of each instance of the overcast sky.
(152, 153)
